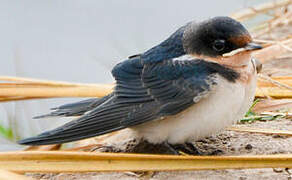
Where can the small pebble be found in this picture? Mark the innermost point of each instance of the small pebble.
(279, 136)
(248, 147)
(278, 170)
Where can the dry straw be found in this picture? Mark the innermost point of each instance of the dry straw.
(261, 131)
(8, 175)
(58, 161)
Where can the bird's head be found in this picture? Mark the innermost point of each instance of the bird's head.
(220, 39)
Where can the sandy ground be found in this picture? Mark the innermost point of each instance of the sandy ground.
(225, 143)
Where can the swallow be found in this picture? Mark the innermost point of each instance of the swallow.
(195, 83)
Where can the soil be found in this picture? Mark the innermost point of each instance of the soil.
(225, 143)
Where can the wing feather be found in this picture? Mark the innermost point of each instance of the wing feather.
(144, 92)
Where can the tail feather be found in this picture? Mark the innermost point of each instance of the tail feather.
(74, 109)
(100, 120)
(77, 129)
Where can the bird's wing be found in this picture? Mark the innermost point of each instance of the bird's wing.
(144, 92)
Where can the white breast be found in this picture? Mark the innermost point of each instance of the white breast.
(226, 104)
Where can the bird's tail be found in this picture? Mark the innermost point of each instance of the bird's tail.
(104, 118)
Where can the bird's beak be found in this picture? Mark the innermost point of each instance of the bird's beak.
(252, 46)
(249, 47)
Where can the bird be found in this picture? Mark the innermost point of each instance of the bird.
(198, 81)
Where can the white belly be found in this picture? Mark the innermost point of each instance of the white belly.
(226, 104)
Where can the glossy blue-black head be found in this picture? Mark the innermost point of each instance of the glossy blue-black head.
(217, 36)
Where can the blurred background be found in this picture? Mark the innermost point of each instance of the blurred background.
(80, 41)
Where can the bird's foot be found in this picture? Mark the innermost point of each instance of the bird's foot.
(186, 148)
(172, 148)
(143, 146)
(193, 148)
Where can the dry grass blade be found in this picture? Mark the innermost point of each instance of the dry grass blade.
(42, 92)
(274, 92)
(284, 114)
(273, 51)
(261, 131)
(7, 175)
(262, 8)
(31, 81)
(53, 147)
(274, 82)
(277, 87)
(26, 88)
(269, 81)
(6, 99)
(40, 161)
(272, 105)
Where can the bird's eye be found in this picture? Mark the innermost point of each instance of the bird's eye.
(219, 45)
